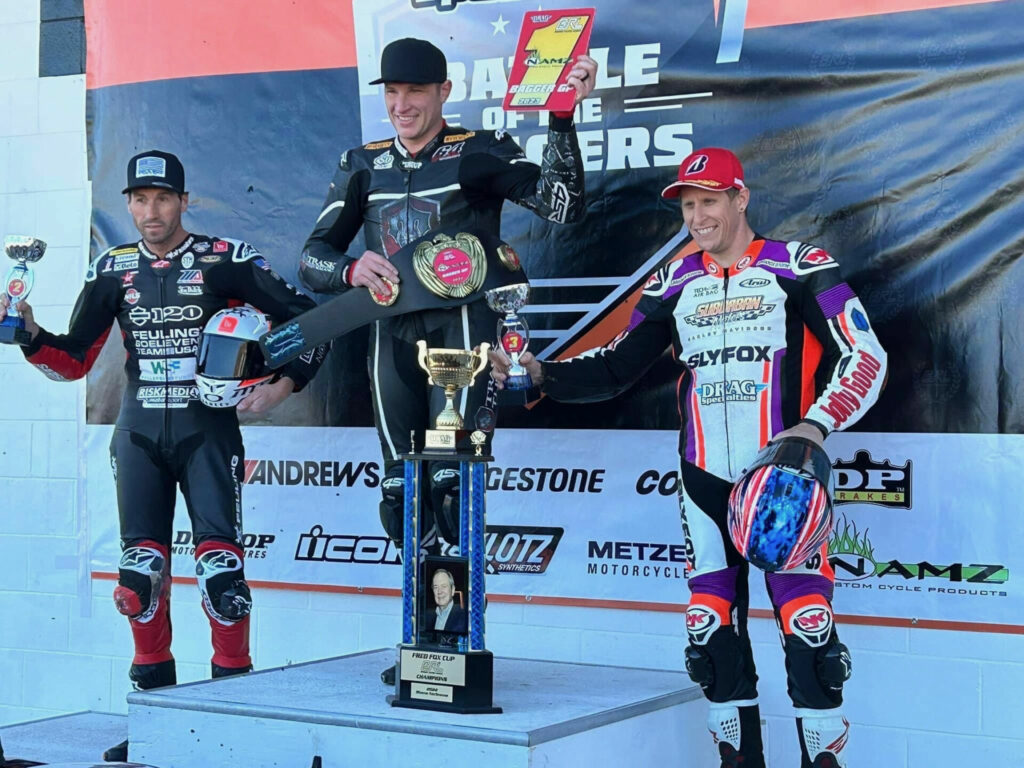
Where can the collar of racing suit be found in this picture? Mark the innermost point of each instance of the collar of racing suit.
(172, 254)
(429, 147)
(753, 250)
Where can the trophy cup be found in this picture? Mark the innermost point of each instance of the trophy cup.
(513, 332)
(23, 250)
(452, 369)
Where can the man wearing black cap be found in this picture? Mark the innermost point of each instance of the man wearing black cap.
(161, 291)
(430, 175)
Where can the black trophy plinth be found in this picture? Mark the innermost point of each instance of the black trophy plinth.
(442, 662)
(12, 331)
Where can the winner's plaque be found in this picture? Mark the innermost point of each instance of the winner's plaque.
(24, 251)
(548, 44)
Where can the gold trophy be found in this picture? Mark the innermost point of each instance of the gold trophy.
(453, 369)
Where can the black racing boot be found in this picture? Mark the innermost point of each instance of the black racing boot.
(145, 677)
(13, 762)
(217, 671)
(117, 754)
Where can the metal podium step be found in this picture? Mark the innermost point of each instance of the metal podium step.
(555, 714)
(76, 738)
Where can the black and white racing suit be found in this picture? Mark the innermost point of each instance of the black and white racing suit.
(164, 437)
(776, 339)
(460, 178)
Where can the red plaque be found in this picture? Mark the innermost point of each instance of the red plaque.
(548, 44)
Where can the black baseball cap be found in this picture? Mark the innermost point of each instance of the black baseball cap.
(412, 61)
(156, 169)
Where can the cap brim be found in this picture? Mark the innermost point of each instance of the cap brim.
(674, 189)
(151, 185)
(416, 80)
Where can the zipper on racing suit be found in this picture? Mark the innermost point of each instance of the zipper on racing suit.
(725, 376)
(408, 208)
(163, 315)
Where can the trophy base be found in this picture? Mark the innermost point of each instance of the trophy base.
(445, 680)
(12, 331)
(519, 382)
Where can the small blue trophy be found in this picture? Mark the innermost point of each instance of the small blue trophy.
(23, 250)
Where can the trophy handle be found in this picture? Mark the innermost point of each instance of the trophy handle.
(484, 349)
(423, 360)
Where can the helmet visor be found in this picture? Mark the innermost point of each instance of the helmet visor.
(225, 357)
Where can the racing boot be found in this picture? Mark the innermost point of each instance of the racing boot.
(216, 670)
(737, 733)
(144, 677)
(13, 762)
(823, 738)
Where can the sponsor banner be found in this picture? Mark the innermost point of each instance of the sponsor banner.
(594, 516)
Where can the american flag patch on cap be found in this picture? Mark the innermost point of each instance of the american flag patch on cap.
(150, 166)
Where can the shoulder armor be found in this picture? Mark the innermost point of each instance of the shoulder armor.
(805, 258)
(239, 250)
(97, 265)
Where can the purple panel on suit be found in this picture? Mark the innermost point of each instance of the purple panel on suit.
(834, 299)
(692, 263)
(718, 583)
(784, 587)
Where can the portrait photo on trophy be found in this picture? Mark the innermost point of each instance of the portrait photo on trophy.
(443, 614)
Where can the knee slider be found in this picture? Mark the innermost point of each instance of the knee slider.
(142, 574)
(703, 617)
(699, 666)
(835, 666)
(393, 489)
(444, 481)
(392, 506)
(817, 663)
(221, 578)
(813, 626)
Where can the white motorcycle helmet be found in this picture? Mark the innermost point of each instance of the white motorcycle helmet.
(230, 365)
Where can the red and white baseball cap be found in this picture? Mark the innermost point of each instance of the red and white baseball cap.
(711, 168)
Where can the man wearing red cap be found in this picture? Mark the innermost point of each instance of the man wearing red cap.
(776, 345)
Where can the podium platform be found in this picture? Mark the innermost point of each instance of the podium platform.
(555, 714)
(78, 738)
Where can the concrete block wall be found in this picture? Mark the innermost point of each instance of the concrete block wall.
(919, 698)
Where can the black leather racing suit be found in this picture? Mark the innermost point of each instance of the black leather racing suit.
(164, 436)
(460, 178)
